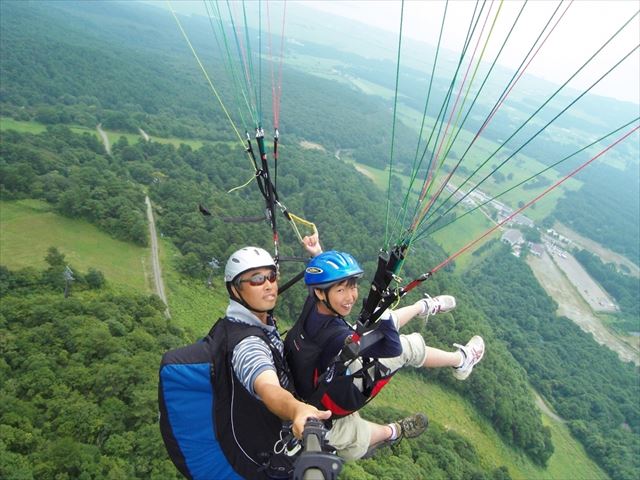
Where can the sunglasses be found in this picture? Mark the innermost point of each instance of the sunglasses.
(259, 279)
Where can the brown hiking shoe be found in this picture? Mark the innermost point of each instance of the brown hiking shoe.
(409, 427)
(413, 426)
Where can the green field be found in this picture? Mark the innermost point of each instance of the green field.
(7, 123)
(453, 236)
(29, 227)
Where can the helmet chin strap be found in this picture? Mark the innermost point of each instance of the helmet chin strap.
(326, 303)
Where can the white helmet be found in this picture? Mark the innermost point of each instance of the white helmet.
(245, 259)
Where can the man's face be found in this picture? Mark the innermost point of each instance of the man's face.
(259, 288)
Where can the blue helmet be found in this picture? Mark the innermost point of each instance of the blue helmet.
(329, 268)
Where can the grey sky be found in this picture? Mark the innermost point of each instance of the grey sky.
(585, 27)
(582, 30)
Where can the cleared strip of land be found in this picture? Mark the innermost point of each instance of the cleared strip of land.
(29, 227)
(605, 254)
(572, 305)
(592, 293)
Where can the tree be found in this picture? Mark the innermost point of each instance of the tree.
(191, 265)
(54, 257)
(94, 278)
(532, 234)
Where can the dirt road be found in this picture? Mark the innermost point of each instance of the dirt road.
(144, 135)
(105, 139)
(542, 405)
(155, 259)
(573, 306)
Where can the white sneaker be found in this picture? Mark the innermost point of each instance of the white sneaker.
(472, 352)
(439, 304)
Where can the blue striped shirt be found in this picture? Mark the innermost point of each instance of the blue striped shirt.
(252, 355)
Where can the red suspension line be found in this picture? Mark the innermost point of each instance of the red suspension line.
(494, 110)
(453, 110)
(276, 86)
(498, 225)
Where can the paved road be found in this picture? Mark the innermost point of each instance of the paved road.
(155, 260)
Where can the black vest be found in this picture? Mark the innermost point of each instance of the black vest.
(247, 429)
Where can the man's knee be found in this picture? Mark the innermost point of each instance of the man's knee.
(350, 436)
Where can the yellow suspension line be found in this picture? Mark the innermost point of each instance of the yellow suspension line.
(206, 75)
(448, 146)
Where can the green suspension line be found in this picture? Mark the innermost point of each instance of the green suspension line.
(243, 71)
(229, 67)
(250, 62)
(502, 95)
(536, 134)
(393, 129)
(540, 108)
(454, 138)
(444, 105)
(431, 232)
(414, 170)
(436, 153)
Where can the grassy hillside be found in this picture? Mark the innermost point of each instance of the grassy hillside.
(193, 305)
(29, 227)
(452, 412)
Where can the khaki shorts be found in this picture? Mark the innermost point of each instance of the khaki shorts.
(414, 350)
(414, 353)
(351, 435)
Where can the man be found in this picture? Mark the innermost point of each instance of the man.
(223, 400)
(251, 279)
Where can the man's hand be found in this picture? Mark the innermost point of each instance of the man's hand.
(283, 404)
(312, 244)
(304, 411)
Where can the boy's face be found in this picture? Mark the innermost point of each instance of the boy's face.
(343, 296)
(259, 288)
